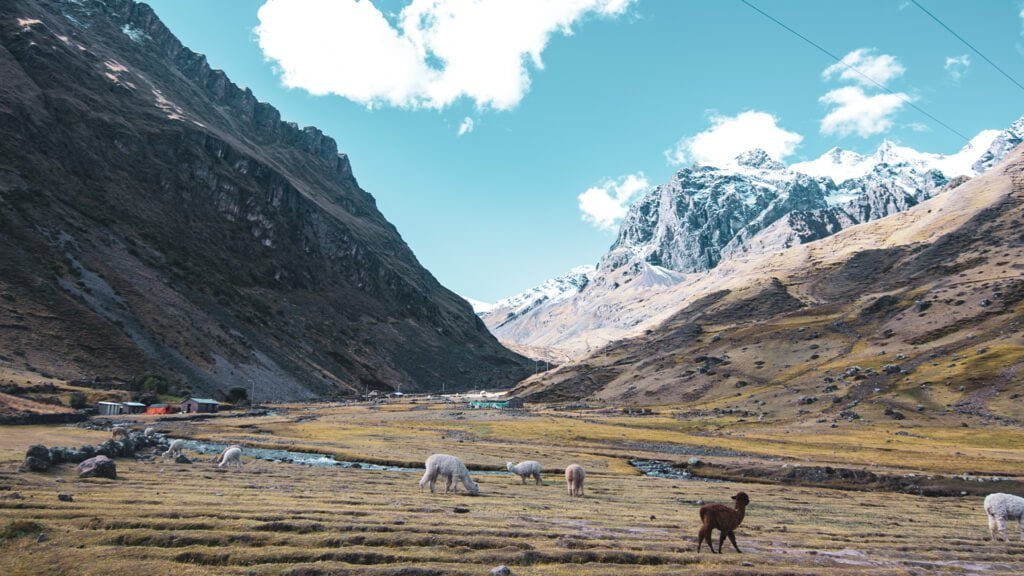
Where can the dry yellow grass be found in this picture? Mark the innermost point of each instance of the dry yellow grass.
(164, 518)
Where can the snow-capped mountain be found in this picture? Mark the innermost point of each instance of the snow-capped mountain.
(550, 292)
(705, 215)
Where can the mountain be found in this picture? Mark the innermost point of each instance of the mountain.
(753, 205)
(158, 220)
(915, 316)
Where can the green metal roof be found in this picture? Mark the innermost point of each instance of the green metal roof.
(202, 401)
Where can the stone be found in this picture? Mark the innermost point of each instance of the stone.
(694, 461)
(462, 510)
(98, 467)
(42, 538)
(65, 497)
(182, 459)
(501, 571)
(33, 464)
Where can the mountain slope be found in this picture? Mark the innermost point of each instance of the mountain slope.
(156, 218)
(755, 205)
(914, 316)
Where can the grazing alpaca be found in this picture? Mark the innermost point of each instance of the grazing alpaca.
(1003, 507)
(452, 469)
(724, 519)
(220, 457)
(574, 476)
(525, 469)
(232, 455)
(174, 450)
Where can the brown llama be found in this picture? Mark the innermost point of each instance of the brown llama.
(724, 519)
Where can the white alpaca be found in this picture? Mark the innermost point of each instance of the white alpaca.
(232, 455)
(525, 469)
(220, 457)
(574, 475)
(174, 450)
(1003, 507)
(452, 470)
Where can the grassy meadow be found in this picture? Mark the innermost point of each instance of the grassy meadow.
(279, 518)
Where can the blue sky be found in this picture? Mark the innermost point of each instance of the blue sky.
(496, 209)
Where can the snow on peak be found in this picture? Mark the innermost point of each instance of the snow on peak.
(478, 306)
(553, 290)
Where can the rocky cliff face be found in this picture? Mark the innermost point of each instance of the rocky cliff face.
(157, 218)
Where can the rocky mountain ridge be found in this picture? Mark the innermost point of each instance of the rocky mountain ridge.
(158, 219)
(755, 205)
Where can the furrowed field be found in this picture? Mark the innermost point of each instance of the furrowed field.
(160, 517)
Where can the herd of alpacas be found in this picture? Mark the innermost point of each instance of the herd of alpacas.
(1000, 508)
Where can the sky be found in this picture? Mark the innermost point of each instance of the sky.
(506, 138)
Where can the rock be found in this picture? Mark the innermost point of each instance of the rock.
(462, 510)
(807, 400)
(39, 451)
(33, 464)
(501, 571)
(182, 459)
(694, 461)
(98, 467)
(42, 538)
(65, 497)
(891, 369)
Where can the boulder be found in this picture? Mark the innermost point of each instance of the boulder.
(65, 497)
(501, 571)
(98, 467)
(33, 464)
(182, 459)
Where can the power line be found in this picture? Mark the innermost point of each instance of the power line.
(968, 44)
(822, 49)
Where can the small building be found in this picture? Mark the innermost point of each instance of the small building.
(199, 405)
(160, 409)
(108, 408)
(132, 407)
(498, 403)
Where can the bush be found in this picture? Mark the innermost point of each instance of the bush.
(19, 528)
(78, 400)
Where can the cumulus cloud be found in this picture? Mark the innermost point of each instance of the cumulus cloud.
(855, 112)
(604, 205)
(430, 54)
(864, 62)
(730, 136)
(466, 127)
(956, 66)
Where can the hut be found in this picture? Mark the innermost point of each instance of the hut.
(513, 403)
(132, 407)
(160, 409)
(108, 408)
(199, 405)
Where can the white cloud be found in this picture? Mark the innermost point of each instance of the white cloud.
(881, 68)
(604, 205)
(855, 112)
(466, 127)
(431, 54)
(730, 136)
(956, 66)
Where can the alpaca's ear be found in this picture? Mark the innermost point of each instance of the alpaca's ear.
(733, 497)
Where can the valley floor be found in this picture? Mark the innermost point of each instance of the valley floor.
(282, 518)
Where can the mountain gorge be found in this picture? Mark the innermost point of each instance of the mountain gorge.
(706, 215)
(157, 219)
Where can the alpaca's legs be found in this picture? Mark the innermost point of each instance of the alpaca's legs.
(732, 538)
(1001, 527)
(992, 527)
(721, 539)
(705, 534)
(537, 478)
